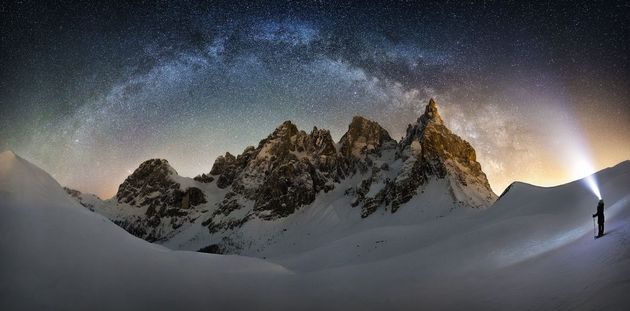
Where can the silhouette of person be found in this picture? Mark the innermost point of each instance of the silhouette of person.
(600, 218)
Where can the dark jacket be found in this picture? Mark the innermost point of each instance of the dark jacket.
(600, 213)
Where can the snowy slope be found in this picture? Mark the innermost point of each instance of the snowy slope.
(526, 222)
(57, 255)
(532, 250)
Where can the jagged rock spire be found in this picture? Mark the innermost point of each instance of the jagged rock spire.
(363, 135)
(415, 131)
(430, 150)
(431, 113)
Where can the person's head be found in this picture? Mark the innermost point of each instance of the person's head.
(601, 202)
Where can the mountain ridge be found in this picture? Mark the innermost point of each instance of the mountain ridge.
(290, 168)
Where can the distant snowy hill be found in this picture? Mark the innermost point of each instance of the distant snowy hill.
(297, 186)
(533, 249)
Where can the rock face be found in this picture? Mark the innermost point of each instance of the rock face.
(363, 137)
(154, 189)
(152, 185)
(226, 167)
(291, 168)
(428, 150)
(285, 171)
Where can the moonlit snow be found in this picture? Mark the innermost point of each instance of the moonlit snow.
(533, 249)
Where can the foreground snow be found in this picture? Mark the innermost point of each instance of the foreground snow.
(59, 255)
(532, 250)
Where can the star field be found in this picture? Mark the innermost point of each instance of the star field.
(90, 90)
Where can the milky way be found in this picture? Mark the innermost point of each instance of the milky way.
(88, 91)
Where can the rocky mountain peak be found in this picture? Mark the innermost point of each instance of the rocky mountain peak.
(363, 136)
(154, 184)
(322, 141)
(151, 175)
(429, 119)
(286, 129)
(431, 113)
(431, 151)
(429, 137)
(150, 172)
(156, 188)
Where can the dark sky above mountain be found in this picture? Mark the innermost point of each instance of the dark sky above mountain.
(89, 90)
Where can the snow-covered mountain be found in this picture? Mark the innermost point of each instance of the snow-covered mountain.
(245, 202)
(533, 249)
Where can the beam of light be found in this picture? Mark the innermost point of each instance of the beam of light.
(585, 172)
(592, 184)
(581, 166)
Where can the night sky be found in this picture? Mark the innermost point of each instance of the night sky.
(88, 91)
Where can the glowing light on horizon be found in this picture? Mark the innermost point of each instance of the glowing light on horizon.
(571, 148)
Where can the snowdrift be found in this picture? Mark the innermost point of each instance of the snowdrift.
(533, 249)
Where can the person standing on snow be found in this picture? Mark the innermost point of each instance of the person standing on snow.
(600, 217)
